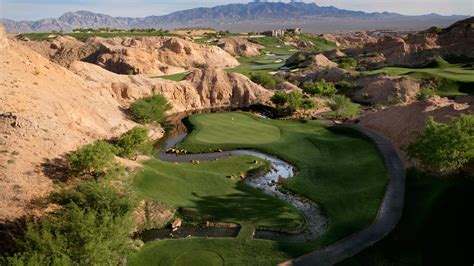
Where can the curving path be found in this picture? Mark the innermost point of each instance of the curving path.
(387, 218)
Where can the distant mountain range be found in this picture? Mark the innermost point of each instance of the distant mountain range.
(254, 16)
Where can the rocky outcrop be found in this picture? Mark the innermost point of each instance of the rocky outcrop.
(305, 59)
(240, 46)
(421, 48)
(137, 55)
(400, 123)
(383, 89)
(3, 38)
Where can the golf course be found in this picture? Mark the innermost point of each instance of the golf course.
(340, 170)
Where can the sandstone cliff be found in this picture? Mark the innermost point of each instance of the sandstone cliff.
(240, 46)
(135, 55)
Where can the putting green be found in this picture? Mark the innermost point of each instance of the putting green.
(236, 128)
(199, 258)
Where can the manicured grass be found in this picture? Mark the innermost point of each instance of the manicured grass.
(320, 43)
(455, 79)
(230, 251)
(236, 128)
(273, 45)
(341, 171)
(257, 64)
(174, 77)
(206, 189)
(84, 36)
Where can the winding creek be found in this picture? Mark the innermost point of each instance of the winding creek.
(315, 222)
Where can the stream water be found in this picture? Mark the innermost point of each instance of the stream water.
(316, 223)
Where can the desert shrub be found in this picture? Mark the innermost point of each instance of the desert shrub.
(343, 107)
(291, 101)
(424, 94)
(150, 109)
(294, 100)
(445, 147)
(94, 159)
(321, 88)
(348, 63)
(308, 104)
(300, 58)
(91, 227)
(133, 142)
(279, 98)
(345, 86)
(264, 79)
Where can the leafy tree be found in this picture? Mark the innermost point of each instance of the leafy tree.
(264, 79)
(134, 141)
(446, 147)
(322, 88)
(94, 159)
(295, 99)
(343, 107)
(150, 109)
(279, 98)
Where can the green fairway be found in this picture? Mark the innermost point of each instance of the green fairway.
(455, 79)
(262, 63)
(216, 251)
(342, 172)
(206, 189)
(237, 128)
(320, 43)
(174, 77)
(273, 45)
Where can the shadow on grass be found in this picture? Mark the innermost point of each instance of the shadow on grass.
(249, 206)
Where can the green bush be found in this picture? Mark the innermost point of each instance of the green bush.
(92, 227)
(345, 86)
(264, 79)
(150, 109)
(294, 100)
(445, 147)
(348, 63)
(133, 142)
(308, 104)
(279, 98)
(94, 159)
(424, 94)
(321, 88)
(343, 107)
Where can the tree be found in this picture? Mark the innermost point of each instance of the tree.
(343, 107)
(264, 79)
(321, 88)
(295, 99)
(308, 104)
(445, 147)
(93, 159)
(150, 109)
(134, 141)
(91, 227)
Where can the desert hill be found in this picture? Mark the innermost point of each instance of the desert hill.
(48, 110)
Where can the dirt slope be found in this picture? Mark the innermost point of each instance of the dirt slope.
(399, 123)
(48, 111)
(240, 46)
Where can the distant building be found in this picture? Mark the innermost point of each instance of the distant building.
(281, 33)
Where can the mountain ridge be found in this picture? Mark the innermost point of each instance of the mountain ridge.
(251, 16)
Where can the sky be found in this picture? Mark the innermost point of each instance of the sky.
(37, 9)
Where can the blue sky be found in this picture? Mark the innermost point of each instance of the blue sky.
(36, 9)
